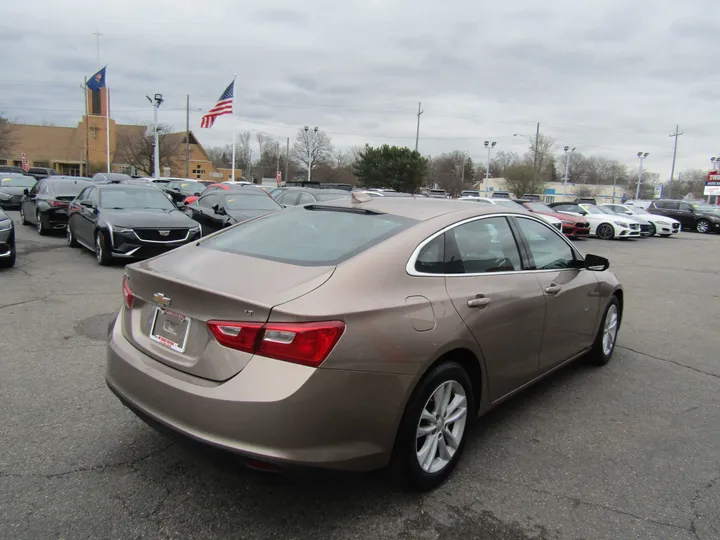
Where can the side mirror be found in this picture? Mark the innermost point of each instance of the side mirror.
(26, 192)
(196, 194)
(597, 263)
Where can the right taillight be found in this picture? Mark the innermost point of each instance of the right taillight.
(128, 296)
(308, 344)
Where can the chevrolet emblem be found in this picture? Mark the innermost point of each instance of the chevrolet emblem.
(161, 300)
(164, 233)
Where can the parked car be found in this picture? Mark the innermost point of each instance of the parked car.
(469, 193)
(585, 200)
(500, 195)
(11, 169)
(218, 209)
(109, 178)
(374, 193)
(211, 187)
(317, 373)
(12, 187)
(298, 196)
(128, 222)
(508, 203)
(7, 241)
(660, 225)
(179, 190)
(45, 204)
(646, 227)
(437, 194)
(699, 217)
(41, 172)
(532, 197)
(572, 226)
(603, 223)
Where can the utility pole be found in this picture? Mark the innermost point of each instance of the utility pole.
(537, 142)
(277, 157)
(156, 101)
(676, 135)
(641, 156)
(417, 132)
(287, 158)
(187, 136)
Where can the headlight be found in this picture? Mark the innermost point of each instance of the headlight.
(122, 230)
(195, 229)
(568, 222)
(620, 224)
(5, 225)
(4, 197)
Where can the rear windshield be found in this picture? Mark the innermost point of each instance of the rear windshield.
(17, 181)
(331, 196)
(65, 188)
(309, 237)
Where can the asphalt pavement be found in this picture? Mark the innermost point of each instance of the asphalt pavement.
(630, 450)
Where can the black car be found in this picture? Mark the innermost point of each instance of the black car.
(45, 204)
(11, 169)
(220, 209)
(12, 188)
(41, 172)
(7, 241)
(695, 216)
(298, 196)
(127, 221)
(179, 190)
(109, 178)
(585, 200)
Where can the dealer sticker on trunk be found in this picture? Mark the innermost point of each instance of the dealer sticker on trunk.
(170, 329)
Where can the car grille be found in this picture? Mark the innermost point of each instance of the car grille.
(634, 226)
(161, 235)
(583, 225)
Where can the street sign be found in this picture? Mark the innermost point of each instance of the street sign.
(26, 165)
(22, 156)
(278, 176)
(712, 186)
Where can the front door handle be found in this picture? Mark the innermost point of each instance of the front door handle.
(478, 301)
(553, 289)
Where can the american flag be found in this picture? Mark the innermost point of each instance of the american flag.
(223, 106)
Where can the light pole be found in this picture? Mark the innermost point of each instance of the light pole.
(156, 102)
(489, 145)
(641, 156)
(530, 140)
(568, 156)
(310, 140)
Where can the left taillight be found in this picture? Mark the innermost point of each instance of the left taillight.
(53, 202)
(308, 344)
(128, 296)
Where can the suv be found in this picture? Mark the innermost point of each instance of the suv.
(696, 216)
(11, 169)
(500, 195)
(41, 172)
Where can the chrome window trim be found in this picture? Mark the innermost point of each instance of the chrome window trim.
(410, 266)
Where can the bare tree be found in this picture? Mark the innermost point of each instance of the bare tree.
(7, 136)
(312, 148)
(545, 148)
(453, 172)
(139, 152)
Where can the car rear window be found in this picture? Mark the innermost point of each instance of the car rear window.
(308, 236)
(67, 188)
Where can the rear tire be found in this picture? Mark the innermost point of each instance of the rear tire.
(605, 231)
(41, 229)
(604, 345)
(432, 433)
(22, 217)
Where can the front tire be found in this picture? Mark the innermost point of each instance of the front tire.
(653, 230)
(702, 226)
(604, 345)
(605, 231)
(433, 431)
(103, 256)
(22, 217)
(70, 237)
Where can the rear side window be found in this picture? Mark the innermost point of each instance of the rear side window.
(481, 246)
(309, 236)
(431, 259)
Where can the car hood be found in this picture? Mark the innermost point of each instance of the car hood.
(709, 215)
(613, 217)
(564, 217)
(12, 190)
(244, 215)
(147, 218)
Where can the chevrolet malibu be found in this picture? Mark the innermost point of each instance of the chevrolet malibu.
(469, 305)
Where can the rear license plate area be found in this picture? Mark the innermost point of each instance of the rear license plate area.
(170, 329)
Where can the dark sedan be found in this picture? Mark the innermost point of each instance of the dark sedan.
(45, 204)
(127, 221)
(12, 188)
(298, 196)
(109, 178)
(219, 209)
(179, 190)
(7, 241)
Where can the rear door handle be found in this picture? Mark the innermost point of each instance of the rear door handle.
(553, 289)
(479, 301)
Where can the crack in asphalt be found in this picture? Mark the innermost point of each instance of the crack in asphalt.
(23, 302)
(693, 504)
(716, 376)
(94, 468)
(578, 502)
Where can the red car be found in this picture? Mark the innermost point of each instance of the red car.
(572, 226)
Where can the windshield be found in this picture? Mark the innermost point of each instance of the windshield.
(65, 188)
(17, 181)
(238, 201)
(596, 210)
(539, 207)
(129, 196)
(510, 204)
(333, 196)
(309, 236)
(704, 208)
(190, 188)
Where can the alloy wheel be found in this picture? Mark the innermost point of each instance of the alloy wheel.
(702, 226)
(441, 426)
(69, 236)
(605, 231)
(39, 223)
(99, 248)
(610, 330)
(653, 230)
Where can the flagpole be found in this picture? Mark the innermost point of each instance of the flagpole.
(107, 125)
(232, 174)
(87, 131)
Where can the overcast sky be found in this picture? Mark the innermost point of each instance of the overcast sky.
(610, 77)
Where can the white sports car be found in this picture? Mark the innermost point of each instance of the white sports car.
(603, 223)
(555, 222)
(661, 225)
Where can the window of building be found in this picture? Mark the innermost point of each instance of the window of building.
(95, 107)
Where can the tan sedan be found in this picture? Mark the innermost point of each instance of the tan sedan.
(357, 333)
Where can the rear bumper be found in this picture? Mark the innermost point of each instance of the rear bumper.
(271, 410)
(55, 218)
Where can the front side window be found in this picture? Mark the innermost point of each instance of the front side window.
(481, 246)
(548, 250)
(290, 198)
(685, 207)
(208, 201)
(305, 198)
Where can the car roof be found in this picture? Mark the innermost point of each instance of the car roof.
(125, 184)
(420, 208)
(318, 190)
(55, 180)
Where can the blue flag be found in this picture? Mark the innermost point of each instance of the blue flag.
(97, 81)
